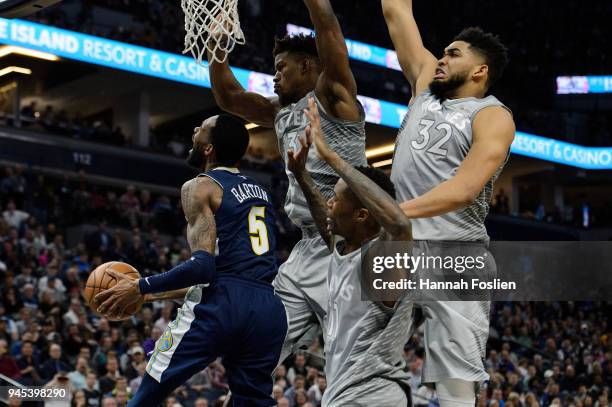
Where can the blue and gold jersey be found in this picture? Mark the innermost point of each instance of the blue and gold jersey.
(245, 227)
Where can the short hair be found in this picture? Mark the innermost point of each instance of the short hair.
(488, 46)
(230, 139)
(300, 43)
(379, 178)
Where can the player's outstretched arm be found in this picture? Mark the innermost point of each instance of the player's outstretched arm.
(233, 98)
(198, 197)
(168, 295)
(418, 64)
(382, 206)
(493, 132)
(336, 87)
(296, 163)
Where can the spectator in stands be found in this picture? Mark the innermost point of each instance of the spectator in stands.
(74, 283)
(25, 277)
(13, 216)
(109, 380)
(11, 301)
(105, 345)
(54, 364)
(315, 392)
(100, 240)
(135, 382)
(277, 392)
(146, 208)
(300, 399)
(311, 376)
(280, 373)
(218, 381)
(136, 357)
(50, 280)
(92, 392)
(71, 317)
(198, 384)
(121, 388)
(165, 316)
(200, 402)
(299, 367)
(59, 381)
(29, 111)
(28, 365)
(283, 402)
(137, 252)
(149, 343)
(28, 297)
(8, 364)
(79, 399)
(109, 402)
(78, 377)
(14, 184)
(130, 206)
(47, 118)
(299, 383)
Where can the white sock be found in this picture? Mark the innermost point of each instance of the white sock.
(456, 393)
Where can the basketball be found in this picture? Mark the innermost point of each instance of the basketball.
(99, 280)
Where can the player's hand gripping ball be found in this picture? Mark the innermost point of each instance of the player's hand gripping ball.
(112, 290)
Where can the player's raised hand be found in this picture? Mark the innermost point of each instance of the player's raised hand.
(218, 37)
(114, 301)
(296, 160)
(315, 132)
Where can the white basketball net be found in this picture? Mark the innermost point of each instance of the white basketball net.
(211, 26)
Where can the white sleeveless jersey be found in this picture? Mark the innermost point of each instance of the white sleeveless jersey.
(347, 138)
(432, 142)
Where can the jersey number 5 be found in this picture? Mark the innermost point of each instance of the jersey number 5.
(258, 230)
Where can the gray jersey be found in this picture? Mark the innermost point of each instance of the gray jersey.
(433, 141)
(344, 137)
(364, 340)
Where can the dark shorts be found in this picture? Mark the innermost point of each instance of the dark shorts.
(240, 320)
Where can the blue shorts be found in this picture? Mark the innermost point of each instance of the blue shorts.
(240, 320)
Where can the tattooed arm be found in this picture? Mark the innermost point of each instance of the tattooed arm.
(296, 162)
(317, 205)
(167, 295)
(200, 198)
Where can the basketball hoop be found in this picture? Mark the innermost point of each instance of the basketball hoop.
(211, 26)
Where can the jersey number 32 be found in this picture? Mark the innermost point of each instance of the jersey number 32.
(425, 132)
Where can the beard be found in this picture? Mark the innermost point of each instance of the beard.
(442, 89)
(195, 158)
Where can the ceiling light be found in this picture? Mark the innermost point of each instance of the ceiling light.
(15, 69)
(11, 49)
(378, 151)
(383, 163)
